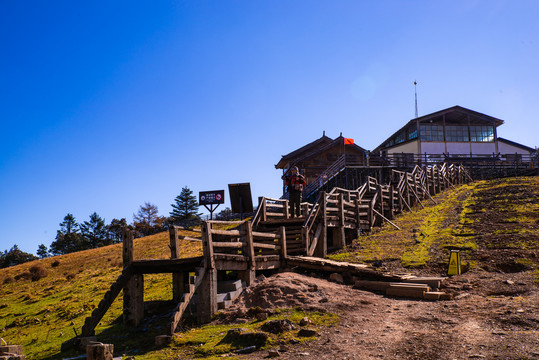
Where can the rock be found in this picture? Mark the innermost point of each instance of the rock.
(162, 340)
(307, 333)
(283, 348)
(246, 350)
(305, 321)
(241, 335)
(278, 326)
(273, 353)
(241, 321)
(509, 282)
(336, 277)
(262, 316)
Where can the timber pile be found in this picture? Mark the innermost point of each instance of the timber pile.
(416, 287)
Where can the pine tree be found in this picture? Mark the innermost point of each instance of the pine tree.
(42, 251)
(68, 238)
(185, 206)
(94, 232)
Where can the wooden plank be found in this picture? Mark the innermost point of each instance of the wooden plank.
(220, 244)
(266, 246)
(226, 232)
(265, 235)
(406, 292)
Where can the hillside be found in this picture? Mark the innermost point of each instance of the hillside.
(495, 224)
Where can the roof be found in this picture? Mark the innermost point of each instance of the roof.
(312, 149)
(452, 110)
(524, 147)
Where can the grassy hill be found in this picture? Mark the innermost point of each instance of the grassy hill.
(44, 313)
(495, 224)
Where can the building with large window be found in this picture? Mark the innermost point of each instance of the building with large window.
(453, 132)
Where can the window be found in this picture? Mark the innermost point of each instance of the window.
(432, 133)
(481, 133)
(400, 137)
(456, 133)
(412, 132)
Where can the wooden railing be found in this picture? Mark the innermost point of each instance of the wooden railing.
(411, 160)
(373, 203)
(271, 209)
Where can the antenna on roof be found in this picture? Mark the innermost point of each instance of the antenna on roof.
(415, 89)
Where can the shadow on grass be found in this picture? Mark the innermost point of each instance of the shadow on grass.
(131, 341)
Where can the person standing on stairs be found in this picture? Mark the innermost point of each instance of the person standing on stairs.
(295, 183)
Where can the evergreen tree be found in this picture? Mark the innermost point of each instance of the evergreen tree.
(185, 206)
(115, 230)
(14, 257)
(68, 238)
(94, 232)
(42, 251)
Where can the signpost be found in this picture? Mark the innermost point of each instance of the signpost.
(240, 198)
(211, 198)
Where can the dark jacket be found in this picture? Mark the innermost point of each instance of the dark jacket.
(294, 182)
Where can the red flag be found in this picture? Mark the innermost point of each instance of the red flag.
(348, 141)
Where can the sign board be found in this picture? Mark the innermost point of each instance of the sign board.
(240, 198)
(211, 197)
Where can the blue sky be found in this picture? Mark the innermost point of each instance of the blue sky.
(105, 105)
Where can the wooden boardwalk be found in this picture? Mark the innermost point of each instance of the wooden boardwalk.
(273, 241)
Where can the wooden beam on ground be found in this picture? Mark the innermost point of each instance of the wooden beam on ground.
(386, 219)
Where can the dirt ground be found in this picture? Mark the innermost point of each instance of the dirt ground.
(494, 313)
(475, 325)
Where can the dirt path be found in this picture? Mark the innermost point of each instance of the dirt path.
(373, 326)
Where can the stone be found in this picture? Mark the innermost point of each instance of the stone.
(336, 277)
(162, 340)
(273, 353)
(246, 350)
(262, 316)
(304, 321)
(278, 326)
(307, 333)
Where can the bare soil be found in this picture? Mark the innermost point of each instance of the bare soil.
(494, 313)
(373, 326)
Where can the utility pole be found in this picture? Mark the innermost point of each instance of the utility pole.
(415, 88)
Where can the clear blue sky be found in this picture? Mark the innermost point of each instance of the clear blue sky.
(105, 105)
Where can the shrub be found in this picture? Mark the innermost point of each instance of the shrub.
(55, 263)
(24, 275)
(37, 272)
(8, 280)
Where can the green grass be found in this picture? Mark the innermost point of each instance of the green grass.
(41, 315)
(456, 222)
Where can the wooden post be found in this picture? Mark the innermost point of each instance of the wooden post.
(358, 218)
(133, 307)
(127, 241)
(341, 242)
(391, 202)
(322, 244)
(282, 243)
(249, 251)
(178, 279)
(100, 351)
(264, 213)
(207, 290)
(286, 209)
